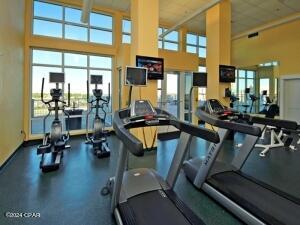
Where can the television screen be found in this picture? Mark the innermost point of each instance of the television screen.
(247, 90)
(154, 65)
(226, 74)
(136, 76)
(199, 79)
(96, 79)
(56, 77)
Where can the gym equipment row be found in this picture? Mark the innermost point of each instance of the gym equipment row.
(55, 142)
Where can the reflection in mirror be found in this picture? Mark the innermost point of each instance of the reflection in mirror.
(256, 88)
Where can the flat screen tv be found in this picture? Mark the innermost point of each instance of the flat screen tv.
(136, 76)
(154, 65)
(226, 74)
(199, 79)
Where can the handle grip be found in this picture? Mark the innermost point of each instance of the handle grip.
(87, 91)
(108, 99)
(69, 94)
(42, 90)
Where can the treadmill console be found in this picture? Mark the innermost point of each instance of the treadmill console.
(142, 108)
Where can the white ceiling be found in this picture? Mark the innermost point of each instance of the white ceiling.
(246, 14)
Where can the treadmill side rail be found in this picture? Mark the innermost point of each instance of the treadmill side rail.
(244, 151)
(212, 154)
(178, 158)
(247, 217)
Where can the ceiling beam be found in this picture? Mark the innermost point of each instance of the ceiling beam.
(86, 9)
(191, 16)
(267, 26)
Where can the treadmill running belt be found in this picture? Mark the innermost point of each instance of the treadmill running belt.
(157, 208)
(261, 202)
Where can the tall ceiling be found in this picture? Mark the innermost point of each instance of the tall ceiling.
(246, 14)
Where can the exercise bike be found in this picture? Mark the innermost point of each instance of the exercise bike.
(99, 137)
(55, 141)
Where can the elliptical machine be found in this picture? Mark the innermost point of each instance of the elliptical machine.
(99, 136)
(55, 141)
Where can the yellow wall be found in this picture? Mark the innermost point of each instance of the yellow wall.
(277, 44)
(179, 61)
(11, 76)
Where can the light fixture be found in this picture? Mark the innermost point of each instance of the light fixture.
(86, 9)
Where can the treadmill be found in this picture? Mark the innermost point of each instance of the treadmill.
(251, 200)
(140, 196)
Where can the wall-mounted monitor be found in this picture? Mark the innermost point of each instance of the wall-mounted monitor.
(56, 77)
(154, 65)
(136, 76)
(96, 79)
(226, 74)
(247, 91)
(199, 79)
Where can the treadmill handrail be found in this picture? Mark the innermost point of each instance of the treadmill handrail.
(239, 127)
(135, 146)
(286, 124)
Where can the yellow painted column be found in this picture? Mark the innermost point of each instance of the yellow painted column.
(218, 33)
(145, 22)
(182, 39)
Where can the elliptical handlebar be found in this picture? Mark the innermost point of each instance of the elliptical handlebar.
(87, 91)
(42, 91)
(69, 95)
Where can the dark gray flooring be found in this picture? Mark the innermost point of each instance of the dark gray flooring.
(70, 196)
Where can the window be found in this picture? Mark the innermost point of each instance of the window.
(196, 44)
(274, 63)
(59, 21)
(244, 79)
(126, 31)
(77, 68)
(187, 88)
(170, 41)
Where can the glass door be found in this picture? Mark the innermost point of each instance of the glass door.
(172, 93)
(264, 85)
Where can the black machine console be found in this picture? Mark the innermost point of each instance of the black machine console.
(142, 108)
(216, 108)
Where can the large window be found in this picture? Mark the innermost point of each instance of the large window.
(126, 31)
(170, 41)
(244, 79)
(59, 21)
(77, 68)
(196, 44)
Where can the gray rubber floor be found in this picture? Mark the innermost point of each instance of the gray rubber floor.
(71, 195)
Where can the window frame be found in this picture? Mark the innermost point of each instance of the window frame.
(197, 45)
(126, 33)
(63, 67)
(163, 40)
(64, 23)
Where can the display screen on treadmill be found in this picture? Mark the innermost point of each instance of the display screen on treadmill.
(143, 108)
(216, 105)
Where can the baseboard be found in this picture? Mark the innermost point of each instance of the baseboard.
(39, 141)
(168, 135)
(10, 157)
